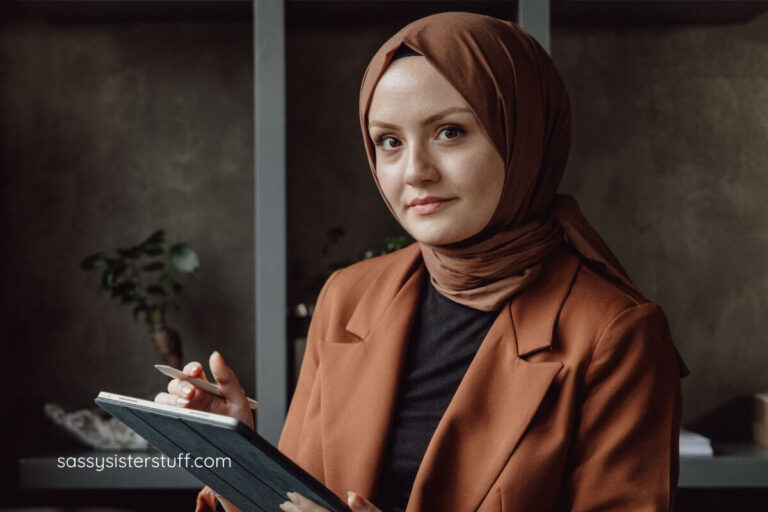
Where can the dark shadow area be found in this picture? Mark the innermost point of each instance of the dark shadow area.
(654, 12)
(345, 12)
(731, 421)
(126, 10)
(134, 500)
(719, 500)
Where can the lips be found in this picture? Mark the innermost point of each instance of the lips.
(427, 205)
(427, 200)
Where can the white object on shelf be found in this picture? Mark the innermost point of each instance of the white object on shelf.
(692, 443)
(94, 430)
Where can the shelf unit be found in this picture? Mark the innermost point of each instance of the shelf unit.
(734, 465)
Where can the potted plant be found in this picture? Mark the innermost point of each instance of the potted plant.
(391, 243)
(145, 278)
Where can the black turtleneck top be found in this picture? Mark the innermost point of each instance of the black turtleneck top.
(444, 339)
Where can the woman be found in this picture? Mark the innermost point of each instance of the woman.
(504, 361)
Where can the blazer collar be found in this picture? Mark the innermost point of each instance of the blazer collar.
(534, 311)
(381, 293)
(489, 412)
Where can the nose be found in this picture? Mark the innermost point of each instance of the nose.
(420, 166)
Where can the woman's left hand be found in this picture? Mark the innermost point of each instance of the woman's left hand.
(299, 503)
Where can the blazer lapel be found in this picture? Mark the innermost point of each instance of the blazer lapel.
(497, 398)
(361, 375)
(487, 416)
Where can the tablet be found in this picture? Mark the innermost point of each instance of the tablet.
(234, 460)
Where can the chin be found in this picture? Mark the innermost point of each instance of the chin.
(432, 237)
(442, 228)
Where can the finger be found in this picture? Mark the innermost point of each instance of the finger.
(181, 388)
(195, 369)
(187, 389)
(227, 380)
(287, 506)
(226, 505)
(300, 503)
(168, 399)
(359, 504)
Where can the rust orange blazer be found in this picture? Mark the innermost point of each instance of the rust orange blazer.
(572, 402)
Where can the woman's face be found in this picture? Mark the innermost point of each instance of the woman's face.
(435, 165)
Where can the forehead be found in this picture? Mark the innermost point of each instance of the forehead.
(412, 85)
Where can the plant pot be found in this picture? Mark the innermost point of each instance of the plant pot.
(168, 345)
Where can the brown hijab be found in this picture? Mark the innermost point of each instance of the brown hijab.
(510, 82)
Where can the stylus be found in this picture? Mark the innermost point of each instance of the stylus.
(214, 389)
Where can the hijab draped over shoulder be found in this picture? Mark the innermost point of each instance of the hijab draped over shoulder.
(516, 94)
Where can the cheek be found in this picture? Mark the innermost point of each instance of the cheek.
(478, 173)
(390, 185)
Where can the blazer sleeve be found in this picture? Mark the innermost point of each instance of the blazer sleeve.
(289, 438)
(624, 455)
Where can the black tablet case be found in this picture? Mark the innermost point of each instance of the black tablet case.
(259, 476)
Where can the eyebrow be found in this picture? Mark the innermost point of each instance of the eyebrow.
(431, 119)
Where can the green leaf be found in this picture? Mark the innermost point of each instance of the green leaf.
(93, 261)
(156, 238)
(166, 281)
(107, 279)
(123, 288)
(184, 258)
(393, 243)
(132, 253)
(153, 250)
(140, 313)
(118, 270)
(157, 290)
(155, 317)
(169, 284)
(115, 262)
(154, 266)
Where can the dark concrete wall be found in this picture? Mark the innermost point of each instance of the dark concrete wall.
(108, 131)
(667, 162)
(329, 180)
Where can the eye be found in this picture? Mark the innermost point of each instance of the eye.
(452, 131)
(382, 142)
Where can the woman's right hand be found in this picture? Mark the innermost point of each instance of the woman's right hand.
(185, 394)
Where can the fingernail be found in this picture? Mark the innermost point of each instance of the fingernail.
(187, 389)
(294, 498)
(219, 354)
(355, 500)
(182, 401)
(284, 506)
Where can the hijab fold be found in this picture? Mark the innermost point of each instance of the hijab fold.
(511, 84)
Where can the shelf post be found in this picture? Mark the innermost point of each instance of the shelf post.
(270, 211)
(533, 16)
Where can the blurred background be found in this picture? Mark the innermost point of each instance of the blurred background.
(122, 118)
